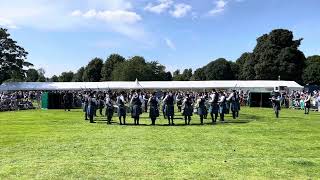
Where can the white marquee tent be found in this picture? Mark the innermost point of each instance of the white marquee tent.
(258, 86)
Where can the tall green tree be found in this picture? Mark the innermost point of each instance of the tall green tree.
(276, 54)
(12, 58)
(41, 73)
(219, 69)
(134, 68)
(66, 76)
(32, 75)
(112, 61)
(168, 76)
(246, 67)
(54, 78)
(92, 72)
(311, 74)
(78, 77)
(199, 75)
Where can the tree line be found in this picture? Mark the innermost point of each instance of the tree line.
(276, 55)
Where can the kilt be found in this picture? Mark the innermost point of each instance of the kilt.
(169, 109)
(122, 111)
(234, 107)
(214, 108)
(307, 105)
(179, 103)
(153, 112)
(187, 111)
(276, 107)
(91, 110)
(238, 105)
(202, 110)
(135, 111)
(84, 107)
(109, 111)
(223, 109)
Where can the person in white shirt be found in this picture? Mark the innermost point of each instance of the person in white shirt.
(318, 101)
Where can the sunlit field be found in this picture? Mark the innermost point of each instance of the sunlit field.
(54, 144)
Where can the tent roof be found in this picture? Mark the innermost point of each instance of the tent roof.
(14, 86)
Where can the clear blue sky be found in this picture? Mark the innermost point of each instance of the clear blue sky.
(64, 35)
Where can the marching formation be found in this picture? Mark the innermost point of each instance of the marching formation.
(216, 104)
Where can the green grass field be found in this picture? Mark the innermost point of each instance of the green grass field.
(55, 144)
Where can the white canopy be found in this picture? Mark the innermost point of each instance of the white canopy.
(188, 85)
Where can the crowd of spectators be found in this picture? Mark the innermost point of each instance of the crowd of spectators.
(20, 100)
(297, 100)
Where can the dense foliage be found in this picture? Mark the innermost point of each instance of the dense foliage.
(275, 55)
(12, 59)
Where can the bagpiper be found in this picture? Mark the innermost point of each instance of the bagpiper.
(92, 103)
(276, 103)
(202, 109)
(85, 104)
(222, 105)
(187, 105)
(136, 103)
(179, 99)
(214, 106)
(232, 99)
(154, 108)
(109, 107)
(101, 103)
(164, 105)
(169, 107)
(122, 111)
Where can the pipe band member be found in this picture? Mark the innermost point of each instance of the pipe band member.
(202, 109)
(109, 107)
(233, 104)
(179, 101)
(122, 110)
(276, 103)
(164, 105)
(154, 107)
(187, 109)
(92, 103)
(85, 105)
(222, 105)
(101, 103)
(214, 106)
(169, 107)
(136, 104)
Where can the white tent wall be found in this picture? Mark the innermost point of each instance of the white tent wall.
(257, 86)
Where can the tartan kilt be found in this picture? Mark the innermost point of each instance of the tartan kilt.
(153, 112)
(187, 111)
(122, 111)
(169, 109)
(91, 110)
(109, 111)
(223, 109)
(234, 106)
(214, 108)
(136, 111)
(84, 107)
(202, 110)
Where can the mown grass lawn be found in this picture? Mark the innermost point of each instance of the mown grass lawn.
(55, 144)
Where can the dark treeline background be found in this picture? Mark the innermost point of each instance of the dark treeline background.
(275, 54)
